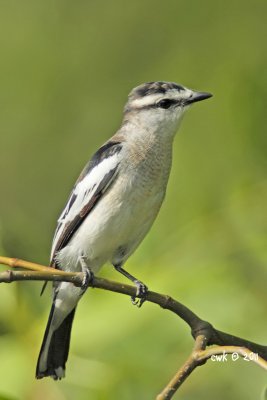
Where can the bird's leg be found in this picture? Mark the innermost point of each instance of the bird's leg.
(88, 274)
(141, 288)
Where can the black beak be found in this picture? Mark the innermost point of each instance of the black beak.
(198, 96)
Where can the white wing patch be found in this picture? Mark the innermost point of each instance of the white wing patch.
(82, 193)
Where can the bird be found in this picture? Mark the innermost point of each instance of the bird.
(113, 205)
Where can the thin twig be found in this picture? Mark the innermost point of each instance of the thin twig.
(236, 351)
(182, 374)
(17, 263)
(199, 356)
(202, 331)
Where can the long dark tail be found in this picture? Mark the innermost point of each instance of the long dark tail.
(55, 347)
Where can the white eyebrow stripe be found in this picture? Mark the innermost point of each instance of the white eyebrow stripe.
(153, 98)
(146, 100)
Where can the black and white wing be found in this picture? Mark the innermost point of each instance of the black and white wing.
(96, 177)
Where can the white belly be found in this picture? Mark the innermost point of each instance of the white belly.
(117, 224)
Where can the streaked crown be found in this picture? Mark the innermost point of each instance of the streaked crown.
(150, 88)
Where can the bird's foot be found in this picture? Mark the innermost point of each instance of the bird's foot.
(141, 292)
(141, 289)
(88, 278)
(88, 275)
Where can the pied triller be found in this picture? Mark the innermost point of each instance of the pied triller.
(113, 205)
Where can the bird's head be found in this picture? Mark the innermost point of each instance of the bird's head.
(161, 104)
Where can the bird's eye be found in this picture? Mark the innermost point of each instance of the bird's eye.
(165, 103)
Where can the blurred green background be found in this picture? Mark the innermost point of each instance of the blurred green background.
(66, 69)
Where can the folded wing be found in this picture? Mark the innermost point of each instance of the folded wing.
(96, 177)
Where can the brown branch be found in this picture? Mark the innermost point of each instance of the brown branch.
(202, 331)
